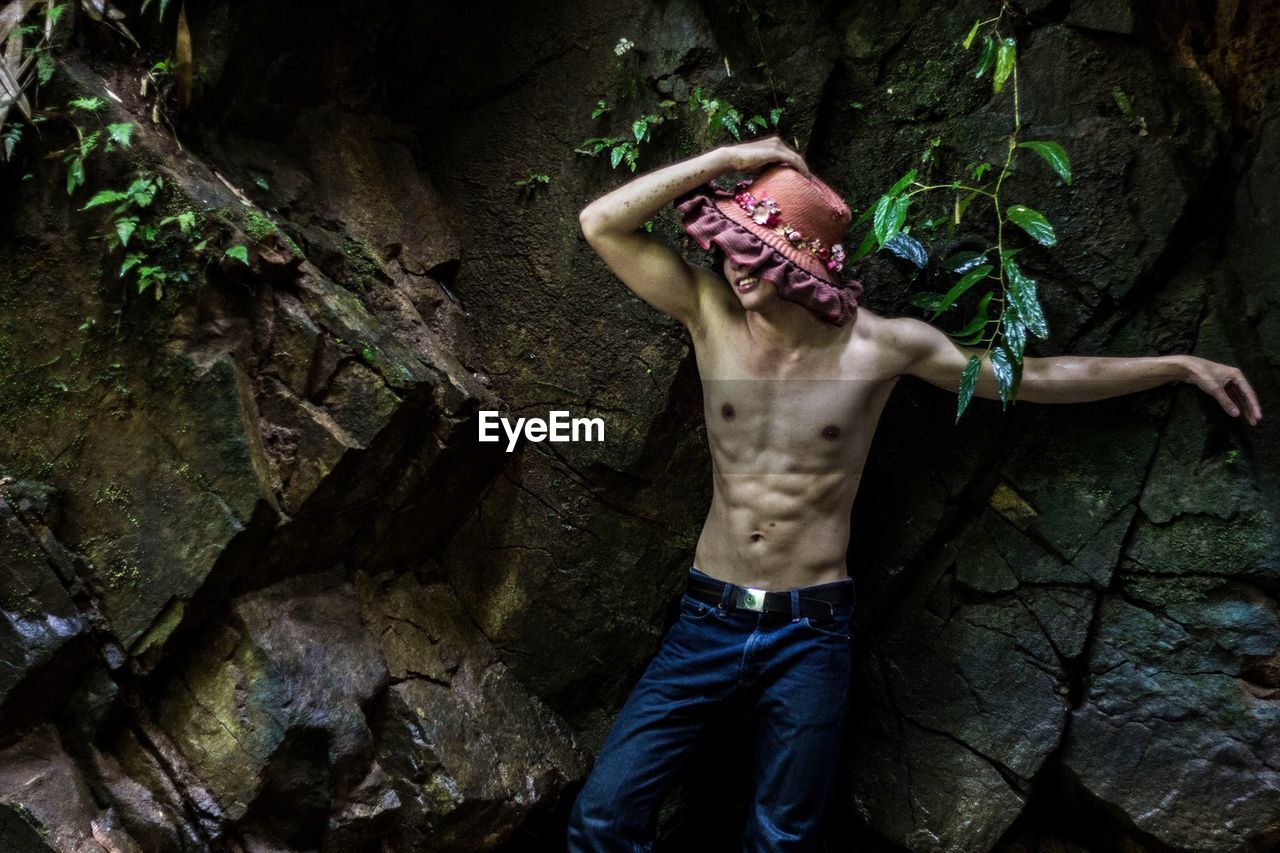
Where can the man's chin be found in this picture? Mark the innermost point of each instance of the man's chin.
(755, 299)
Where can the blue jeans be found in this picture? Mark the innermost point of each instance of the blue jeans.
(789, 673)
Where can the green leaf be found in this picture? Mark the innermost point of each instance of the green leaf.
(902, 183)
(968, 381)
(908, 248)
(44, 67)
(142, 192)
(88, 143)
(121, 133)
(988, 54)
(866, 214)
(596, 144)
(962, 262)
(1022, 294)
(147, 275)
(973, 31)
(600, 109)
(240, 253)
(1006, 55)
(75, 173)
(968, 281)
(880, 222)
(131, 261)
(1002, 366)
(893, 219)
(1015, 333)
(868, 243)
(926, 299)
(105, 197)
(89, 104)
(976, 328)
(186, 221)
(639, 128)
(962, 205)
(615, 156)
(1054, 155)
(262, 183)
(730, 123)
(125, 228)
(775, 115)
(9, 140)
(1033, 223)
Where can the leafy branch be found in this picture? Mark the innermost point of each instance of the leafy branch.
(1003, 338)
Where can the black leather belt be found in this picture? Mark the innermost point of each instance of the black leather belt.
(816, 602)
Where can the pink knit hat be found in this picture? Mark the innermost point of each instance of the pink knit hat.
(784, 228)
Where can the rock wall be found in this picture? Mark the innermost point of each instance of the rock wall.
(263, 589)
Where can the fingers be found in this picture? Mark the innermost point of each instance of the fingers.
(1219, 393)
(1245, 395)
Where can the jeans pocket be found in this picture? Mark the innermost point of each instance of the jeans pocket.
(838, 627)
(695, 609)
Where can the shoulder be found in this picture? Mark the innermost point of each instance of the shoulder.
(893, 344)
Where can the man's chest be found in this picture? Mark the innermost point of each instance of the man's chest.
(791, 423)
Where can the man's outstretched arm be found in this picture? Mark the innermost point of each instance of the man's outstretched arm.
(925, 351)
(613, 224)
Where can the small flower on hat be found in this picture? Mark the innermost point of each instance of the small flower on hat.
(837, 258)
(765, 211)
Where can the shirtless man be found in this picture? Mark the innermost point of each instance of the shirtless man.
(794, 383)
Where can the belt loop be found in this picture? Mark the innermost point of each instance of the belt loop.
(795, 605)
(724, 598)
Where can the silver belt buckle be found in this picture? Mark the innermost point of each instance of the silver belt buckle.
(750, 598)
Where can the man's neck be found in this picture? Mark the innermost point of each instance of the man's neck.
(786, 328)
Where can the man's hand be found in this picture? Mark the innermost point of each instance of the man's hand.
(751, 156)
(1227, 385)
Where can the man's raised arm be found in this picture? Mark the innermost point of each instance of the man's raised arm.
(613, 224)
(925, 351)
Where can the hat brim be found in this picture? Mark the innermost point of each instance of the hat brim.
(710, 215)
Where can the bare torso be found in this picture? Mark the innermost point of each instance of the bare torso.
(789, 435)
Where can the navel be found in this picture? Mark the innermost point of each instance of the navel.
(831, 432)
(727, 412)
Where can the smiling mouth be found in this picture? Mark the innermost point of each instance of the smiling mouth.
(745, 284)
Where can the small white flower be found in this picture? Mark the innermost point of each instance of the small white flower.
(624, 44)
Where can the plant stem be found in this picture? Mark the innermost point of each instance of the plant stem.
(924, 188)
(995, 199)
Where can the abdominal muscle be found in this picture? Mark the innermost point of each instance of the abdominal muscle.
(777, 530)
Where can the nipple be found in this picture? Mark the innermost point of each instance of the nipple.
(727, 411)
(831, 432)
